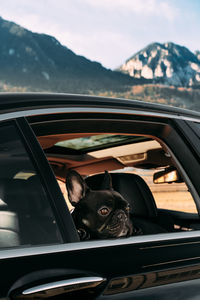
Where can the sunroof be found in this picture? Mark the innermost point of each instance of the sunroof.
(97, 142)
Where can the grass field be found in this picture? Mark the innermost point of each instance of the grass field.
(173, 196)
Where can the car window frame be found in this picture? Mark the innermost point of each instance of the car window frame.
(48, 180)
(166, 133)
(135, 115)
(148, 253)
(190, 159)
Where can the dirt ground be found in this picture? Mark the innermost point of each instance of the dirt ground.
(173, 196)
(180, 200)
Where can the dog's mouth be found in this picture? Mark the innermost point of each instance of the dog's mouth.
(118, 226)
(117, 231)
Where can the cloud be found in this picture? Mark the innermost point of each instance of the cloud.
(108, 31)
(98, 46)
(139, 7)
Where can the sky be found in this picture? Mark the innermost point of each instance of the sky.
(109, 31)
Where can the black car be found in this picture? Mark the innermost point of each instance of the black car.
(152, 153)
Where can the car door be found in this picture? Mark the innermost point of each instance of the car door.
(148, 267)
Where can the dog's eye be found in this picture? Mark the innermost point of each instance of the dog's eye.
(104, 211)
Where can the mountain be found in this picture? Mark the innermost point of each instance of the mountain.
(167, 63)
(40, 62)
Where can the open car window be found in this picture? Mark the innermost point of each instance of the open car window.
(138, 165)
(168, 194)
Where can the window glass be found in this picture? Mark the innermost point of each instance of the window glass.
(26, 217)
(197, 128)
(97, 141)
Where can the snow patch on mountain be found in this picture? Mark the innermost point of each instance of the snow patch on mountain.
(11, 51)
(46, 75)
(147, 72)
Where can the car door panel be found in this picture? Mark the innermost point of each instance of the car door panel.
(152, 264)
(131, 268)
(178, 291)
(182, 220)
(56, 283)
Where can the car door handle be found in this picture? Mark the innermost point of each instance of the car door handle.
(60, 287)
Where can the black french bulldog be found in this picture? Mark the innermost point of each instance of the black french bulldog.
(98, 214)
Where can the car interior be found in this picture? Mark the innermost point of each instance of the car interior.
(25, 216)
(142, 171)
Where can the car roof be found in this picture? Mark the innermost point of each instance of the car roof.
(12, 102)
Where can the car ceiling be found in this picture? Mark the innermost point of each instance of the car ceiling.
(146, 153)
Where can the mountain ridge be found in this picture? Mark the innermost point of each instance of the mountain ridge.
(40, 61)
(167, 63)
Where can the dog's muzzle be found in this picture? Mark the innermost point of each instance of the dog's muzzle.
(117, 225)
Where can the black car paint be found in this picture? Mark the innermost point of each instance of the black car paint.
(163, 266)
(147, 263)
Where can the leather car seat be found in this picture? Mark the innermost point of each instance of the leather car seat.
(9, 225)
(28, 200)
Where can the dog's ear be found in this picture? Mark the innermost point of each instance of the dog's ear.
(76, 187)
(107, 182)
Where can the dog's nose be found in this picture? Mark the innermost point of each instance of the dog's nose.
(120, 216)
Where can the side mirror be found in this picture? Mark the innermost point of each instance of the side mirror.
(167, 176)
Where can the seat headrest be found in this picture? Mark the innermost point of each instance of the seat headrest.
(39, 202)
(133, 188)
(24, 196)
(14, 193)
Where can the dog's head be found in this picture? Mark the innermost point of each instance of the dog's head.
(98, 214)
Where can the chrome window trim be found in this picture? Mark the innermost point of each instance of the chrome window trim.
(134, 240)
(42, 111)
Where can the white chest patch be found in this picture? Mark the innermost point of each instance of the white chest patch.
(86, 222)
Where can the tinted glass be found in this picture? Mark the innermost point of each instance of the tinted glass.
(98, 141)
(197, 128)
(26, 217)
